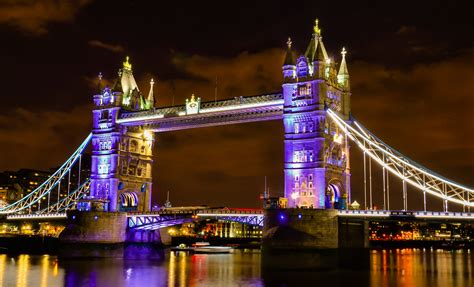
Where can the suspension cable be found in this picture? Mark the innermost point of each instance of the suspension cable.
(397, 161)
(384, 187)
(365, 184)
(370, 183)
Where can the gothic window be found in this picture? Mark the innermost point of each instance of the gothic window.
(104, 115)
(133, 146)
(310, 177)
(297, 128)
(310, 184)
(103, 168)
(297, 185)
(297, 178)
(132, 167)
(124, 167)
(311, 156)
(142, 149)
(310, 126)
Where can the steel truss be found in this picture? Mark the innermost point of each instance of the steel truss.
(157, 221)
(403, 167)
(69, 201)
(46, 187)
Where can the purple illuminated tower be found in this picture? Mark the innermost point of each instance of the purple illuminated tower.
(317, 171)
(121, 177)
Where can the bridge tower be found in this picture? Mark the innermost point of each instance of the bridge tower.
(316, 160)
(121, 178)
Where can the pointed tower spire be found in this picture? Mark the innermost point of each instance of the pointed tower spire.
(315, 43)
(343, 75)
(132, 97)
(289, 65)
(317, 30)
(151, 97)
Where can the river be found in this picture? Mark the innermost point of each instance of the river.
(162, 267)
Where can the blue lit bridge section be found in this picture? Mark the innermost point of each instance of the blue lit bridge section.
(162, 219)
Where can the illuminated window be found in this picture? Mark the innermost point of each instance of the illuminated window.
(103, 168)
(297, 128)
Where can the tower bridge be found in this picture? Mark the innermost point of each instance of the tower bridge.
(314, 106)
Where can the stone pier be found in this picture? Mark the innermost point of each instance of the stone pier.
(95, 227)
(300, 229)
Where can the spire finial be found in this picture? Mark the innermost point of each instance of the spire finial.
(317, 30)
(100, 76)
(152, 82)
(289, 43)
(126, 64)
(343, 52)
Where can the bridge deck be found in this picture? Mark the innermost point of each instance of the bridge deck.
(231, 111)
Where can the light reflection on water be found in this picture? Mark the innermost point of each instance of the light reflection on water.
(397, 267)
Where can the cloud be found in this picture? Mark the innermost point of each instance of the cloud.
(33, 15)
(243, 75)
(41, 139)
(111, 47)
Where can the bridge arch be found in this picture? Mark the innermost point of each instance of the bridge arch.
(128, 200)
(334, 192)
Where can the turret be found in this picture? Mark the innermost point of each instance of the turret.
(289, 65)
(150, 101)
(343, 75)
(316, 52)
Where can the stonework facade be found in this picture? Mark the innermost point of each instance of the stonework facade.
(317, 173)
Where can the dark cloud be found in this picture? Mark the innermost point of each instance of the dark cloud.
(33, 15)
(110, 47)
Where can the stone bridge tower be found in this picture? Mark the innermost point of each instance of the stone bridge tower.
(316, 161)
(121, 173)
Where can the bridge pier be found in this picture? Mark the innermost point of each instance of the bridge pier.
(159, 236)
(94, 227)
(300, 229)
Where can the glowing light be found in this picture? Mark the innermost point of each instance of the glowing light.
(126, 64)
(294, 195)
(148, 135)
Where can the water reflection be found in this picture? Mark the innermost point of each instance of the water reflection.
(157, 267)
(421, 267)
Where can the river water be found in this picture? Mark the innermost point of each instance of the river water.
(396, 267)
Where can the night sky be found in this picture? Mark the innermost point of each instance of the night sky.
(411, 67)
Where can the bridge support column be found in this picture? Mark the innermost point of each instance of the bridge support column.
(94, 227)
(300, 229)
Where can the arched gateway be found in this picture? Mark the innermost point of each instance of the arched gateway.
(316, 164)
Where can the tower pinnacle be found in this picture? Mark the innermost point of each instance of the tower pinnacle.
(150, 101)
(126, 64)
(317, 30)
(289, 43)
(343, 74)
